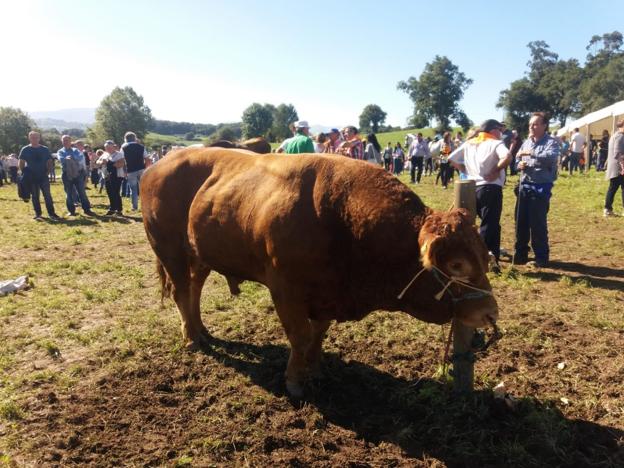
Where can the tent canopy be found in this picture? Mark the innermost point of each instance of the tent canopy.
(592, 125)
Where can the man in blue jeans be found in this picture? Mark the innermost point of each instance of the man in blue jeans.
(135, 156)
(37, 160)
(73, 176)
(537, 160)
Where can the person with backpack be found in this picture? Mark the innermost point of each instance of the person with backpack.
(73, 177)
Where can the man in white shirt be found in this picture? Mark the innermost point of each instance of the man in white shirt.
(577, 148)
(484, 159)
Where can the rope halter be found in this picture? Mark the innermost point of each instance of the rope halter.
(441, 277)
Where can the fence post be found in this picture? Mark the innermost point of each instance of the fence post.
(463, 362)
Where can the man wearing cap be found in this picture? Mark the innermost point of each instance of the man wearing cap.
(483, 159)
(537, 161)
(301, 142)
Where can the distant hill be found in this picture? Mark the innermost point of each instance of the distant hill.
(63, 119)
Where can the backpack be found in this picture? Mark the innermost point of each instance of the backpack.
(72, 169)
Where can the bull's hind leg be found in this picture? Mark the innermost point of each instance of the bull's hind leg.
(196, 336)
(295, 321)
(186, 289)
(313, 354)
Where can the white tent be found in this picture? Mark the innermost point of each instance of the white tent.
(592, 125)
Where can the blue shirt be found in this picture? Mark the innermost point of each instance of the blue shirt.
(75, 154)
(543, 163)
(36, 159)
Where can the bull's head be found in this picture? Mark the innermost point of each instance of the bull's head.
(451, 247)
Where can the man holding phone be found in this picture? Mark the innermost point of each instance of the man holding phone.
(537, 161)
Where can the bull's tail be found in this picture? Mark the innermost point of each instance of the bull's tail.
(166, 285)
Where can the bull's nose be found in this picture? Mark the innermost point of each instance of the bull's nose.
(480, 319)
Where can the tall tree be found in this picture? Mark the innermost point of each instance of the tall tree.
(257, 120)
(550, 85)
(284, 115)
(437, 92)
(371, 118)
(14, 127)
(121, 111)
(604, 81)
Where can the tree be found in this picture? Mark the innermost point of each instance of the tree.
(257, 120)
(284, 115)
(51, 138)
(603, 82)
(437, 92)
(550, 85)
(14, 127)
(121, 111)
(371, 118)
(605, 87)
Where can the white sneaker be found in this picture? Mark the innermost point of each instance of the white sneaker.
(608, 213)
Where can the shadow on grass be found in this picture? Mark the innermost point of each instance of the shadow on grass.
(426, 419)
(588, 270)
(593, 281)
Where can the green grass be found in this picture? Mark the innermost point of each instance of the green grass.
(156, 139)
(93, 315)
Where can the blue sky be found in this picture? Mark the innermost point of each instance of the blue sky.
(207, 61)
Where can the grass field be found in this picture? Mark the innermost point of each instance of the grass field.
(93, 369)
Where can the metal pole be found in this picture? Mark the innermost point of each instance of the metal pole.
(463, 361)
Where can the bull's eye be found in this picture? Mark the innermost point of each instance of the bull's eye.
(455, 266)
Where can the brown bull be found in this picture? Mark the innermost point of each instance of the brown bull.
(257, 145)
(332, 239)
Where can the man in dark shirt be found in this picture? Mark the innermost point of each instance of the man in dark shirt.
(36, 159)
(135, 156)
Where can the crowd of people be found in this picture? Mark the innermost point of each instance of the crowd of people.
(484, 156)
(118, 169)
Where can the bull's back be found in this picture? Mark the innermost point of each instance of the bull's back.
(295, 215)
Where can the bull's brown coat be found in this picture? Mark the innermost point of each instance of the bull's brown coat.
(331, 237)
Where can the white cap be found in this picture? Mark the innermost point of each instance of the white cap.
(302, 124)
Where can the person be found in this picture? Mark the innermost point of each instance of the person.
(352, 145)
(565, 148)
(319, 143)
(603, 151)
(446, 170)
(3, 171)
(36, 160)
(398, 158)
(372, 153)
(84, 149)
(484, 159)
(418, 151)
(135, 155)
(114, 162)
(73, 177)
(537, 161)
(434, 150)
(387, 157)
(615, 168)
(577, 148)
(12, 164)
(301, 141)
(335, 140)
(282, 147)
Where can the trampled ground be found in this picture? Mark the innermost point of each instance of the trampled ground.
(93, 370)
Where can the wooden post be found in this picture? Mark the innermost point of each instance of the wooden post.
(463, 365)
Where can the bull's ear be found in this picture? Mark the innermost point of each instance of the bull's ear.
(428, 251)
(466, 215)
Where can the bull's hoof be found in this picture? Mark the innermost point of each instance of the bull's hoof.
(295, 389)
(200, 342)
